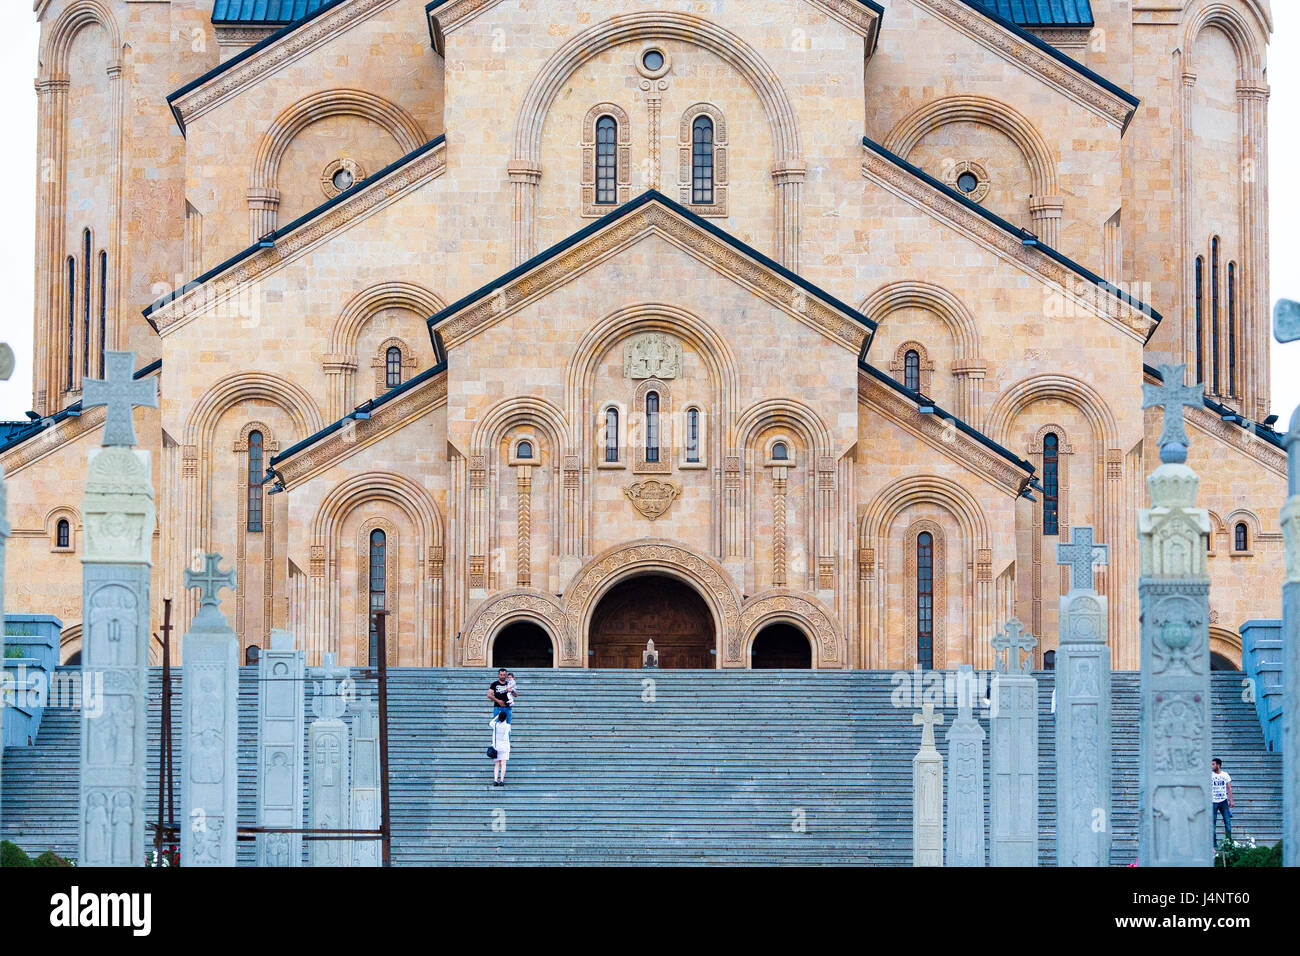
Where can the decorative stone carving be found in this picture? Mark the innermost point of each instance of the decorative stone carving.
(6, 369)
(329, 763)
(811, 617)
(652, 497)
(365, 780)
(210, 715)
(280, 713)
(495, 613)
(965, 778)
(1013, 751)
(1173, 775)
(927, 793)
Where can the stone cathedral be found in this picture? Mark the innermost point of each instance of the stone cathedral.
(781, 332)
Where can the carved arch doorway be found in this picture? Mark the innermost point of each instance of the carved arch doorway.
(781, 646)
(652, 607)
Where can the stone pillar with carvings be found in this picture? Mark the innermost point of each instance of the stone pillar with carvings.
(524, 528)
(118, 513)
(329, 763)
(1287, 329)
(965, 778)
(1013, 750)
(927, 793)
(788, 179)
(280, 713)
(1174, 826)
(365, 779)
(6, 369)
(779, 538)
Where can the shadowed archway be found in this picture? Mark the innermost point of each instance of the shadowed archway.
(523, 644)
(780, 645)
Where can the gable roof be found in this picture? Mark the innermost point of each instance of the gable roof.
(1024, 235)
(13, 434)
(263, 11)
(650, 197)
(1230, 415)
(1041, 13)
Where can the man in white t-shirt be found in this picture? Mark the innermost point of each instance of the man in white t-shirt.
(1221, 797)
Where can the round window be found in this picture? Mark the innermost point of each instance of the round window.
(968, 182)
(343, 179)
(652, 60)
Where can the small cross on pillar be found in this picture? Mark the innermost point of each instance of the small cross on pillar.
(1081, 555)
(927, 718)
(121, 392)
(1008, 644)
(210, 580)
(1173, 395)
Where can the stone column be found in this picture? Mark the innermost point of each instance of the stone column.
(927, 793)
(365, 780)
(118, 514)
(328, 763)
(1287, 329)
(6, 369)
(280, 713)
(1174, 593)
(210, 724)
(1083, 754)
(1013, 750)
(965, 778)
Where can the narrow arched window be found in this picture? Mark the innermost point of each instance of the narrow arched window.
(393, 362)
(1051, 483)
(63, 534)
(611, 434)
(606, 161)
(524, 450)
(378, 587)
(72, 317)
(85, 303)
(652, 426)
(925, 600)
(1241, 537)
(1214, 313)
(1200, 318)
(912, 370)
(1232, 328)
(780, 451)
(693, 435)
(255, 470)
(702, 160)
(252, 654)
(103, 309)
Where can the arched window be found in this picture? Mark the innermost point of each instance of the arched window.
(1200, 318)
(255, 472)
(1214, 313)
(393, 363)
(252, 655)
(693, 435)
(606, 161)
(702, 160)
(1232, 328)
(378, 587)
(780, 451)
(1241, 537)
(72, 317)
(63, 534)
(1049, 660)
(1051, 483)
(912, 370)
(85, 304)
(925, 600)
(103, 309)
(652, 426)
(611, 434)
(524, 450)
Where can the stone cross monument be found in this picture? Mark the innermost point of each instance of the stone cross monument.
(365, 780)
(965, 778)
(328, 767)
(118, 514)
(6, 369)
(1287, 329)
(1083, 755)
(1013, 750)
(1174, 592)
(927, 793)
(280, 712)
(209, 749)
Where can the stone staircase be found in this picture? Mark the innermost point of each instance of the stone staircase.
(719, 768)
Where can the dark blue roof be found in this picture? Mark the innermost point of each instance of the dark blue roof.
(1269, 435)
(1041, 13)
(263, 11)
(15, 433)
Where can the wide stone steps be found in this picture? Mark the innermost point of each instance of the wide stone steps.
(719, 768)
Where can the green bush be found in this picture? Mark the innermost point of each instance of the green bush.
(50, 858)
(1245, 854)
(11, 854)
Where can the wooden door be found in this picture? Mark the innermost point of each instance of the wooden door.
(654, 608)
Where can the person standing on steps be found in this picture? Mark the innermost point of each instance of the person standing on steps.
(499, 694)
(1221, 797)
(500, 749)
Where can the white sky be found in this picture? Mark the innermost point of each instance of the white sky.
(18, 41)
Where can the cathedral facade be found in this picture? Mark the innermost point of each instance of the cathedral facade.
(780, 332)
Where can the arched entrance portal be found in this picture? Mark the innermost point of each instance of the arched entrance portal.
(780, 645)
(652, 607)
(523, 644)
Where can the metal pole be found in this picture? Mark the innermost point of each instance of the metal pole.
(165, 756)
(381, 640)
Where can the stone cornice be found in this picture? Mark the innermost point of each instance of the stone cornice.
(280, 49)
(384, 421)
(1017, 49)
(220, 288)
(940, 435)
(50, 440)
(1073, 287)
(653, 219)
(1239, 439)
